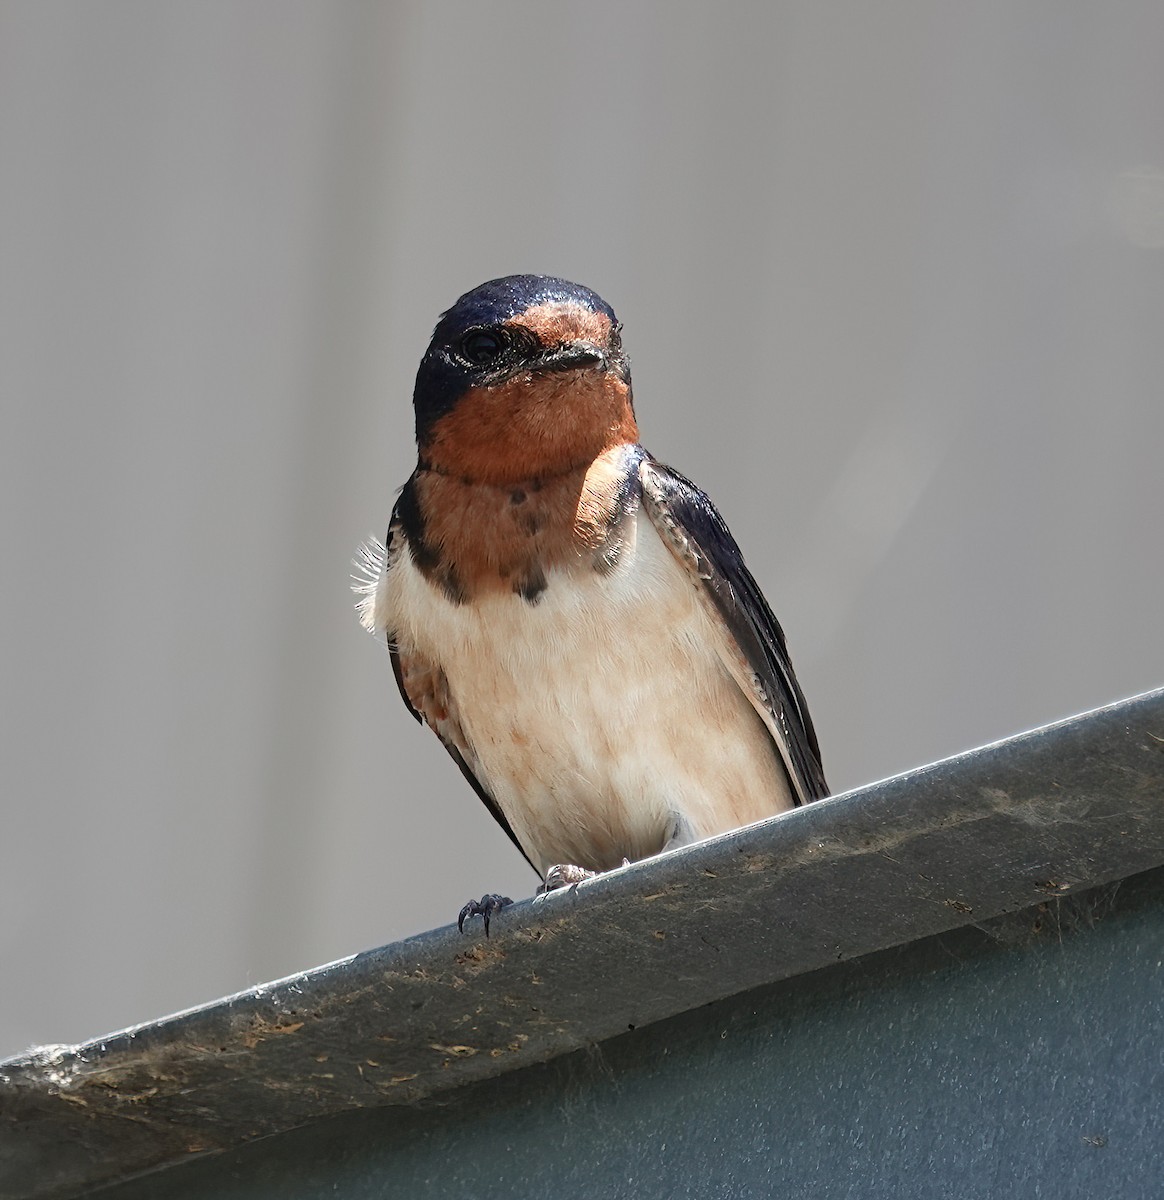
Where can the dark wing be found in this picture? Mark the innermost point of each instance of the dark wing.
(696, 533)
(425, 690)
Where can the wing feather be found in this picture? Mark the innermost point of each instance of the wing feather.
(697, 535)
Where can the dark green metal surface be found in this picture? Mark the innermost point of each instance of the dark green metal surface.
(463, 1022)
(984, 1065)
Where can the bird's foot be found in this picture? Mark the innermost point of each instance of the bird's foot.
(483, 908)
(564, 875)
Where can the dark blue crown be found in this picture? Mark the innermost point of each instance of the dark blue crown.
(502, 299)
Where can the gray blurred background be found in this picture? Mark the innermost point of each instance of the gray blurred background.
(892, 278)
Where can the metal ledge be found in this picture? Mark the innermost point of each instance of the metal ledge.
(1002, 828)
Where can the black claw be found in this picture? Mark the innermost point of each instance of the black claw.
(483, 908)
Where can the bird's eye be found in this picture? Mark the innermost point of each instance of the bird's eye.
(481, 347)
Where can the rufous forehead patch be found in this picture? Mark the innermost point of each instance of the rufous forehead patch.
(555, 322)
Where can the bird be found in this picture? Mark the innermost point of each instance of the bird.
(571, 617)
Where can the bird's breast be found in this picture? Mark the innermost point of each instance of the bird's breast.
(602, 716)
(471, 539)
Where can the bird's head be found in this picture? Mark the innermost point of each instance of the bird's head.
(525, 377)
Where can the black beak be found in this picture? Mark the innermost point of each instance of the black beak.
(571, 355)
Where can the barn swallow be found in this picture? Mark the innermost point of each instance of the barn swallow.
(571, 617)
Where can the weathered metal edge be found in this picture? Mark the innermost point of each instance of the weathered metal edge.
(1060, 808)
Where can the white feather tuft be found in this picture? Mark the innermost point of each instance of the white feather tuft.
(369, 563)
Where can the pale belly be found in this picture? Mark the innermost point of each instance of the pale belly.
(603, 718)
